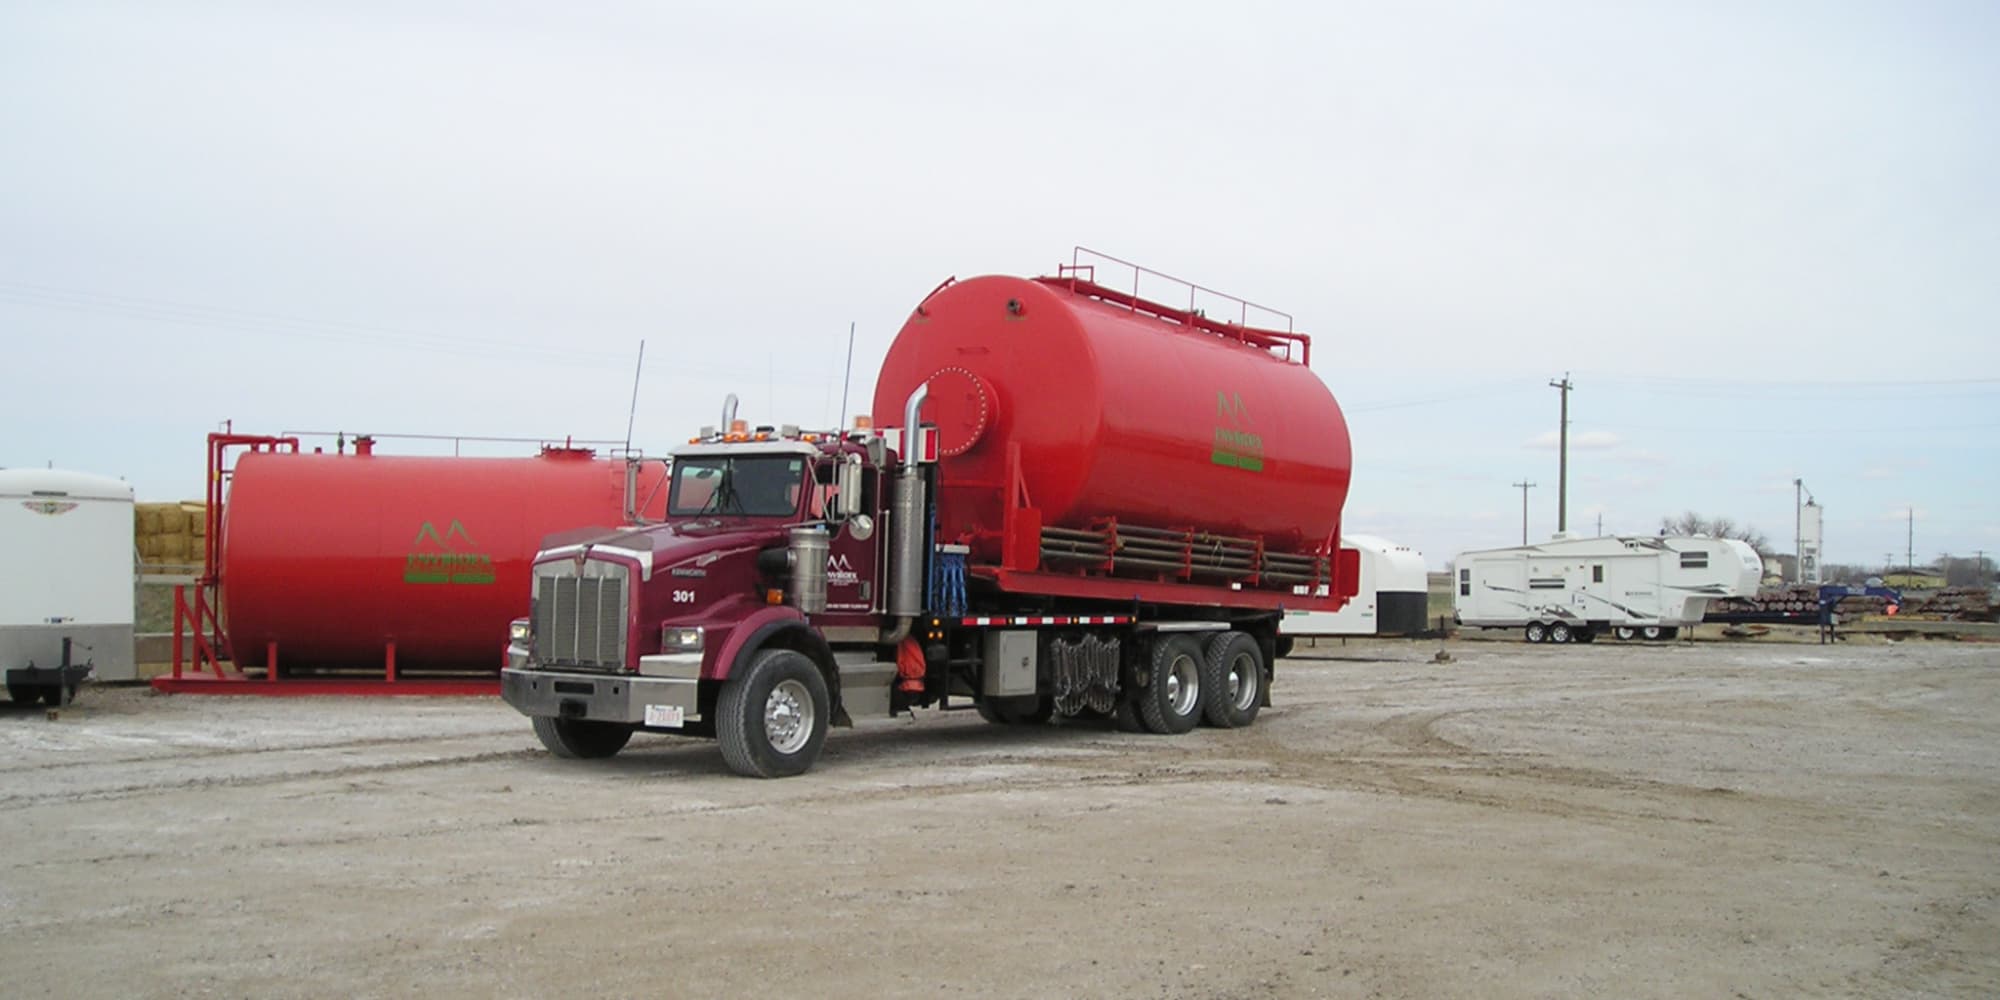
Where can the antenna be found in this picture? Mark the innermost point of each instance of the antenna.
(846, 378)
(633, 416)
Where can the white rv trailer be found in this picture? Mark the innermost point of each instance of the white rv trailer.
(1576, 589)
(66, 596)
(1393, 599)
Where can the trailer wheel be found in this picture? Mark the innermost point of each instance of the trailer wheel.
(1171, 701)
(1234, 678)
(771, 718)
(1027, 711)
(1585, 635)
(1126, 717)
(582, 739)
(1559, 633)
(1652, 633)
(1625, 633)
(24, 694)
(1670, 633)
(1537, 632)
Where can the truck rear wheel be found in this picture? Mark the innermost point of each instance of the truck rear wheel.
(771, 718)
(1171, 701)
(1234, 678)
(582, 739)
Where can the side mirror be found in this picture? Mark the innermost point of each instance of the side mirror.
(847, 492)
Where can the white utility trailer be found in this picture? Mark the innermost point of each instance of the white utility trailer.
(1393, 600)
(66, 593)
(1576, 589)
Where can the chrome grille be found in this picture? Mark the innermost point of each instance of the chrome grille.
(580, 621)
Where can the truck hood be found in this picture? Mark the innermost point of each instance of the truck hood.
(667, 546)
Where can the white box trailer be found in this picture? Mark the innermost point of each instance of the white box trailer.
(67, 593)
(1576, 589)
(1394, 598)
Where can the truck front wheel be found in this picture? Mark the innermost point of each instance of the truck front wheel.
(1171, 701)
(582, 739)
(771, 718)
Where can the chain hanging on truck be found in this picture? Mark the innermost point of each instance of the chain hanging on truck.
(1086, 674)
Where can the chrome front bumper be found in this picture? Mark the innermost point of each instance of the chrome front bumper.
(670, 690)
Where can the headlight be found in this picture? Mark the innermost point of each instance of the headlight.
(520, 632)
(680, 638)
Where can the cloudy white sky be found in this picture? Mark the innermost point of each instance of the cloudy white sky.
(1760, 237)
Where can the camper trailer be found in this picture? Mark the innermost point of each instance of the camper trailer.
(1394, 597)
(1576, 589)
(66, 597)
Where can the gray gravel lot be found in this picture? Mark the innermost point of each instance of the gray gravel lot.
(1614, 820)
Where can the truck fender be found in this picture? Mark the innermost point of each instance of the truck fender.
(786, 628)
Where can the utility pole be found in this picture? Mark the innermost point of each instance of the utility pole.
(1524, 486)
(1562, 459)
(1600, 525)
(1910, 544)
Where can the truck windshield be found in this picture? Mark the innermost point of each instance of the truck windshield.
(754, 486)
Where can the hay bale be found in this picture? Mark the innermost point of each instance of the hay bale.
(197, 517)
(174, 548)
(147, 518)
(173, 520)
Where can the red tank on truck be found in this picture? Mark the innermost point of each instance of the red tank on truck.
(1070, 501)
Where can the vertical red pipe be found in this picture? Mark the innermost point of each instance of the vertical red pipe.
(390, 672)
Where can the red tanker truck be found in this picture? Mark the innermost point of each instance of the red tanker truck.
(1072, 501)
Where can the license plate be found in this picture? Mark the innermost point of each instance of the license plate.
(670, 716)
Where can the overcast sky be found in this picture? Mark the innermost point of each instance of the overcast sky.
(1762, 238)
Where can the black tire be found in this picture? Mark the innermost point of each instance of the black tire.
(1625, 633)
(52, 695)
(1585, 635)
(1022, 711)
(1652, 633)
(582, 739)
(1284, 647)
(1560, 633)
(1669, 633)
(1171, 701)
(24, 695)
(1126, 717)
(1536, 632)
(771, 718)
(1233, 676)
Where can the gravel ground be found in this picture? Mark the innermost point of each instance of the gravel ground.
(1611, 820)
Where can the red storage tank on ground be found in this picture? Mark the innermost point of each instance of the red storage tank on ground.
(1117, 413)
(334, 557)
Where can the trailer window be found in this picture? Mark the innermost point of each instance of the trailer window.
(1597, 573)
(1694, 560)
(1465, 583)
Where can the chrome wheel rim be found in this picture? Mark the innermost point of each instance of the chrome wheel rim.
(788, 717)
(1242, 681)
(1184, 685)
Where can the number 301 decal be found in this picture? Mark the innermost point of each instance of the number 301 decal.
(683, 597)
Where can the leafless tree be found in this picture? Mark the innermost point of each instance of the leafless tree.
(1693, 523)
